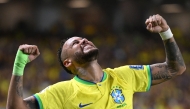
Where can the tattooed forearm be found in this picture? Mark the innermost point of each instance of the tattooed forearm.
(19, 86)
(173, 53)
(173, 66)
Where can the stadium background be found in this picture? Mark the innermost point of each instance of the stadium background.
(115, 26)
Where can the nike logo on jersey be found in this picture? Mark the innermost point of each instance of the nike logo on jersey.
(83, 105)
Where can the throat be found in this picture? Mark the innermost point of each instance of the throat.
(91, 77)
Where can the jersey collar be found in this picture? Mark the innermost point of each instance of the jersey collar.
(89, 82)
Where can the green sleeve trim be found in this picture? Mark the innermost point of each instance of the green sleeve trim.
(149, 77)
(39, 101)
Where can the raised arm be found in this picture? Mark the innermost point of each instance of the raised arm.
(174, 64)
(25, 54)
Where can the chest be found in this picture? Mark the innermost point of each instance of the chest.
(112, 94)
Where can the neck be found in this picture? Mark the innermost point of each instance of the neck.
(90, 72)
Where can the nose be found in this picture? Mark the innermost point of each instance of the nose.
(84, 40)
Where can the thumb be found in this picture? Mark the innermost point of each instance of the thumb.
(34, 55)
(149, 27)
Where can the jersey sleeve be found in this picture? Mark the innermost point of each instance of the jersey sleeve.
(139, 76)
(44, 97)
(49, 98)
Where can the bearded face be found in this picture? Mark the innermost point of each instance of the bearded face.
(81, 57)
(81, 50)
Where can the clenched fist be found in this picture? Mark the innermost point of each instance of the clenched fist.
(156, 24)
(31, 50)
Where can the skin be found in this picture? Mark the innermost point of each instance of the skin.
(174, 64)
(15, 95)
(91, 71)
(85, 70)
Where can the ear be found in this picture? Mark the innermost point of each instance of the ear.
(67, 63)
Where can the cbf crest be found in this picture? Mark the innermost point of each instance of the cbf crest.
(117, 95)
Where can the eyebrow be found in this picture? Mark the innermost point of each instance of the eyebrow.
(77, 39)
(70, 45)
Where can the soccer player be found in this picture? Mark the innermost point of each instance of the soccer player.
(94, 87)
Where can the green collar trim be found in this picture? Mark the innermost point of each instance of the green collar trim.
(89, 82)
(104, 77)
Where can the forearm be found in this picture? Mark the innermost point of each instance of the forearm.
(174, 64)
(26, 53)
(15, 94)
(174, 59)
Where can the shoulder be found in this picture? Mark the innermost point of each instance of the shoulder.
(63, 85)
(59, 86)
(127, 68)
(118, 69)
(128, 71)
(68, 82)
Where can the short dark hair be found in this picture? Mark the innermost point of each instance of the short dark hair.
(60, 56)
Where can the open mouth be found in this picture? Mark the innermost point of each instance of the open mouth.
(87, 47)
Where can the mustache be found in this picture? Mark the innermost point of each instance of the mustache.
(82, 58)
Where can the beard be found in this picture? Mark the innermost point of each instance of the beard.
(82, 58)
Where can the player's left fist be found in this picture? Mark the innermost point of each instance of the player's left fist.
(156, 24)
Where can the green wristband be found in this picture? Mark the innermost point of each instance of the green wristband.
(20, 61)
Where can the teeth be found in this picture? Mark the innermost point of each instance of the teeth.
(86, 46)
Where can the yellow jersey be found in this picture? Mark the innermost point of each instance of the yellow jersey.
(115, 91)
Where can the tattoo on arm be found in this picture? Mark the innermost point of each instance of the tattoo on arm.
(162, 73)
(173, 53)
(19, 86)
(174, 63)
(30, 102)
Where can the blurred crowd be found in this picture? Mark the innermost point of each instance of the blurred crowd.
(121, 39)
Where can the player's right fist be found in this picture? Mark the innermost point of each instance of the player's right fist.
(31, 50)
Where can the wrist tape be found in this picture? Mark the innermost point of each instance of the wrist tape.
(21, 60)
(166, 35)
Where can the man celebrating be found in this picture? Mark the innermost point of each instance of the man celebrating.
(94, 87)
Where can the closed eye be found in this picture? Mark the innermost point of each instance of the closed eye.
(75, 42)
